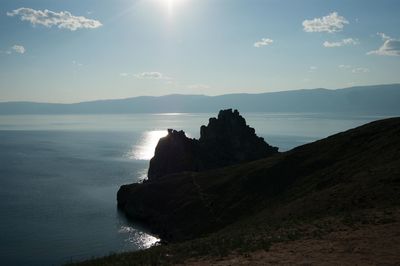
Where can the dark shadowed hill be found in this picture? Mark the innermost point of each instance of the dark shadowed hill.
(379, 99)
(354, 170)
(332, 202)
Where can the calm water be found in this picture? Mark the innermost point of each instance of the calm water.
(59, 176)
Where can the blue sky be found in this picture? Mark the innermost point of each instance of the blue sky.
(81, 50)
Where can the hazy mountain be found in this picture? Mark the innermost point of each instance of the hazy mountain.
(379, 99)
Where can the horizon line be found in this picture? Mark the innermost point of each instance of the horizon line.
(204, 95)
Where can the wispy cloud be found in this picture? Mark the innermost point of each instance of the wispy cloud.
(312, 69)
(344, 42)
(18, 49)
(47, 18)
(151, 75)
(354, 69)
(344, 66)
(360, 70)
(390, 46)
(330, 23)
(75, 63)
(383, 36)
(263, 42)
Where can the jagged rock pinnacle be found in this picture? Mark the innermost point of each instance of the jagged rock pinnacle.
(226, 140)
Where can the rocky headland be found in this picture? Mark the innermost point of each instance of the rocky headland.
(333, 201)
(226, 140)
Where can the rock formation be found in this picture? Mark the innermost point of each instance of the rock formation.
(174, 153)
(225, 141)
(336, 177)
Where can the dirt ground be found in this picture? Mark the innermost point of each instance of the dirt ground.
(366, 245)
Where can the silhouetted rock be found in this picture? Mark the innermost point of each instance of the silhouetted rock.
(336, 176)
(174, 153)
(225, 141)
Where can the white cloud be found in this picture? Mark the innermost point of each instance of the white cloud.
(63, 19)
(151, 75)
(263, 42)
(330, 23)
(383, 36)
(390, 46)
(344, 42)
(360, 70)
(18, 49)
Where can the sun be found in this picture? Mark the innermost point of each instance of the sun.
(172, 5)
(172, 2)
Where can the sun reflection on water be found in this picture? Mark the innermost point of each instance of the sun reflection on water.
(144, 150)
(138, 238)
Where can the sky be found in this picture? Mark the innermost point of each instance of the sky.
(81, 50)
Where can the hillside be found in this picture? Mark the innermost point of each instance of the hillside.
(373, 100)
(322, 197)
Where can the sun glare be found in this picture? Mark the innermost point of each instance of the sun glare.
(172, 5)
(145, 149)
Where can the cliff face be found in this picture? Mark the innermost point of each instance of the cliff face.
(351, 171)
(225, 141)
(174, 153)
(229, 140)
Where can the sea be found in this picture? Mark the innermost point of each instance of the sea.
(59, 176)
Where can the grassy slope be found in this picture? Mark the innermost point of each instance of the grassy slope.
(349, 178)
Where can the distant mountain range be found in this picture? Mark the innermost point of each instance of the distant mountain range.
(378, 99)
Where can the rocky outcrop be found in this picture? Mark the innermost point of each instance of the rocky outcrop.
(174, 153)
(225, 141)
(337, 176)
